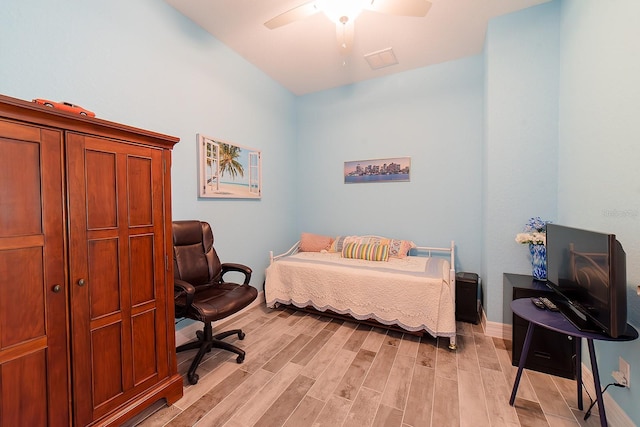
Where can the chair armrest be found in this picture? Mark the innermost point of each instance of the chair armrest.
(240, 268)
(181, 287)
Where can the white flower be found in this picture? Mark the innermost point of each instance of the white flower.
(537, 238)
(535, 232)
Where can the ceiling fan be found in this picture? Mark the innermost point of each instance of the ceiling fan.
(344, 13)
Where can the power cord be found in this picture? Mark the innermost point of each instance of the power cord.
(593, 402)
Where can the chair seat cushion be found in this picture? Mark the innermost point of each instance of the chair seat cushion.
(221, 300)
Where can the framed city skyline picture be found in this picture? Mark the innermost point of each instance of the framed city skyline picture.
(393, 169)
(227, 170)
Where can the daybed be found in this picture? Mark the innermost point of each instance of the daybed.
(414, 290)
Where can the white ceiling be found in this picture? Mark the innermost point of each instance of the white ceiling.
(304, 56)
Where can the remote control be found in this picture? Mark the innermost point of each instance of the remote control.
(548, 303)
(538, 303)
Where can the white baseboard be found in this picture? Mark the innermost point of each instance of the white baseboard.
(188, 333)
(495, 329)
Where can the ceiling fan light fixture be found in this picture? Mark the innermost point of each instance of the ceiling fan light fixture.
(341, 11)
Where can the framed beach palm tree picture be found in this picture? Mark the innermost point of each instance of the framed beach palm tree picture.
(228, 170)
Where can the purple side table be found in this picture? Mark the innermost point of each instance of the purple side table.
(556, 321)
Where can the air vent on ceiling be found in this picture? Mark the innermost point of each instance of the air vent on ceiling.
(382, 58)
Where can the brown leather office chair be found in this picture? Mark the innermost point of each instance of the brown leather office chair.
(200, 291)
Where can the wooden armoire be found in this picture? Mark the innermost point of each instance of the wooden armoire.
(86, 282)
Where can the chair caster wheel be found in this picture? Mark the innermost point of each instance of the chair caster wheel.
(240, 359)
(241, 335)
(193, 379)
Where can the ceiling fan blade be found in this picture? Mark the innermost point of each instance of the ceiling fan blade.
(344, 35)
(295, 14)
(401, 7)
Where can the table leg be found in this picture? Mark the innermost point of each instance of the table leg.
(523, 360)
(578, 342)
(596, 382)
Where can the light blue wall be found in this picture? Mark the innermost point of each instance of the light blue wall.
(434, 116)
(544, 123)
(599, 150)
(521, 139)
(144, 64)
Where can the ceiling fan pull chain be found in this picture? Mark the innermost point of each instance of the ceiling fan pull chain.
(343, 21)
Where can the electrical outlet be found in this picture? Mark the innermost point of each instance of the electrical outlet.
(625, 370)
(623, 374)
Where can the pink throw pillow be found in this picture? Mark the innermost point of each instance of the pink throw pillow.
(314, 243)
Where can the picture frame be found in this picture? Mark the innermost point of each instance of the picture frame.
(392, 169)
(228, 170)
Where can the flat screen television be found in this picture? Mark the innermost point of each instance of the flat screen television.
(588, 270)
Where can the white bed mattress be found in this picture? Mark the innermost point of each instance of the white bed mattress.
(413, 293)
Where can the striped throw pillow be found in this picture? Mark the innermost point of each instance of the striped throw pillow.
(369, 252)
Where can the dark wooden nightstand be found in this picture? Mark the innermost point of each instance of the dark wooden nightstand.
(550, 352)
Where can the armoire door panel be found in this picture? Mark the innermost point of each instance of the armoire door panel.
(24, 391)
(22, 287)
(101, 190)
(20, 202)
(34, 371)
(103, 280)
(125, 268)
(142, 268)
(106, 343)
(140, 191)
(19, 131)
(144, 346)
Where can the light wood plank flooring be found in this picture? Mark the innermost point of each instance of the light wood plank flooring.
(309, 370)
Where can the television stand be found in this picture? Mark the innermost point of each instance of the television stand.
(556, 321)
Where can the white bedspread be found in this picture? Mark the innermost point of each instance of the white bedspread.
(413, 292)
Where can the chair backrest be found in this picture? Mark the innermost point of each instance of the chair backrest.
(194, 258)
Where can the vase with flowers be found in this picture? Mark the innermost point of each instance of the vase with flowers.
(535, 235)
